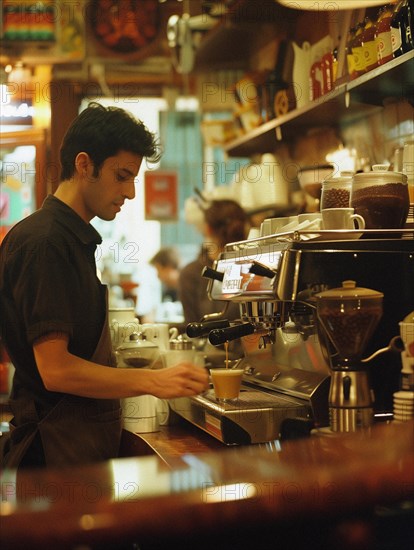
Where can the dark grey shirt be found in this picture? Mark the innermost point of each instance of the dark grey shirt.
(48, 283)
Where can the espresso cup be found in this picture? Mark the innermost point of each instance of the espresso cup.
(226, 383)
(341, 218)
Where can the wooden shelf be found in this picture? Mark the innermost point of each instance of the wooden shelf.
(348, 102)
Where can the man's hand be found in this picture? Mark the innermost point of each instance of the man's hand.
(181, 380)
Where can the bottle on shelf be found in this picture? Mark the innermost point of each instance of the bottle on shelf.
(383, 35)
(401, 28)
(369, 45)
(349, 55)
(358, 50)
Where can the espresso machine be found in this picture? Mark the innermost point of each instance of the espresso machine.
(288, 356)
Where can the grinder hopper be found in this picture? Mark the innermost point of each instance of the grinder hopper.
(349, 315)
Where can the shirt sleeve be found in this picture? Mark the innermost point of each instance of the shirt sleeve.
(42, 290)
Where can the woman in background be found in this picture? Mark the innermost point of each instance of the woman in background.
(225, 221)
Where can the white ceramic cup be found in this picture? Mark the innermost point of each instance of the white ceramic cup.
(121, 314)
(140, 414)
(341, 218)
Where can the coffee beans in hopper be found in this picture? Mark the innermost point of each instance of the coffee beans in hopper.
(335, 198)
(349, 330)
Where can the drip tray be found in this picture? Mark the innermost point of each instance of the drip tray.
(255, 417)
(248, 400)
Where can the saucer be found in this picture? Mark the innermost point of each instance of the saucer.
(404, 395)
(403, 401)
(403, 409)
(335, 235)
(403, 418)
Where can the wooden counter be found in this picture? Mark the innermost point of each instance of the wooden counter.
(322, 492)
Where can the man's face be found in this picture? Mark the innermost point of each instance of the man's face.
(105, 194)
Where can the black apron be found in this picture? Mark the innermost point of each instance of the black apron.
(77, 430)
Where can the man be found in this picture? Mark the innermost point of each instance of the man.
(167, 264)
(65, 395)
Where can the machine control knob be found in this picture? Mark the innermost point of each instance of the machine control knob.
(198, 330)
(210, 273)
(259, 269)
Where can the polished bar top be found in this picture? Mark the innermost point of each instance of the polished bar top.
(291, 490)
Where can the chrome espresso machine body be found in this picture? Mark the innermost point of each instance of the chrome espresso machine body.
(287, 359)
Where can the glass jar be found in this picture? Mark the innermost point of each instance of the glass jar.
(336, 192)
(381, 198)
(349, 315)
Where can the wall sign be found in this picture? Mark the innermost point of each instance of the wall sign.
(161, 200)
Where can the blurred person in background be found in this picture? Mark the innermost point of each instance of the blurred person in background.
(224, 221)
(167, 264)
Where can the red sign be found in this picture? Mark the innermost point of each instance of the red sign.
(161, 201)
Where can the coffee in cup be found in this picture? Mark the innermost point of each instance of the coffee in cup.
(226, 383)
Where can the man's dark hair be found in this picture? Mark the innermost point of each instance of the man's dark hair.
(166, 257)
(103, 132)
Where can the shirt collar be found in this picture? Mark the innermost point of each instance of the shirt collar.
(85, 232)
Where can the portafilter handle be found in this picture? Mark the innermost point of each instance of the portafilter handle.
(259, 269)
(198, 330)
(220, 336)
(210, 273)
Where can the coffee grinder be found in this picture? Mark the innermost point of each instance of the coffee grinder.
(349, 316)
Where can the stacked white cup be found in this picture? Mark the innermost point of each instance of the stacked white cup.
(404, 399)
(403, 405)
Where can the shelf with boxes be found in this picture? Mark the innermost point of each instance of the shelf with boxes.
(44, 31)
(347, 102)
